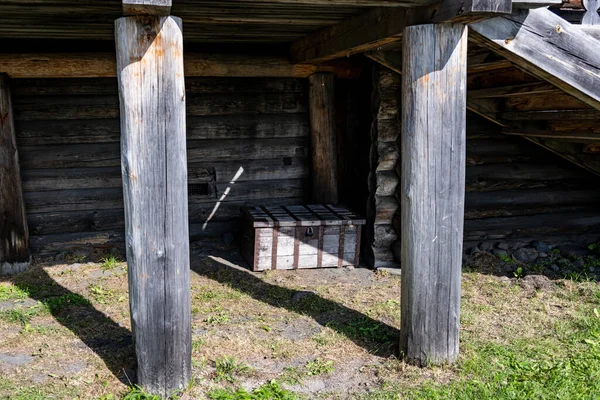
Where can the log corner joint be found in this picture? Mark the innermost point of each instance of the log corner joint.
(147, 7)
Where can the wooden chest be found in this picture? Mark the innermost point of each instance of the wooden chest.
(292, 237)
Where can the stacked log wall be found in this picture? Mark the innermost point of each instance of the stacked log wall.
(516, 192)
(247, 142)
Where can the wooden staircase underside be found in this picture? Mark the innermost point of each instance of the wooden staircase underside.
(537, 76)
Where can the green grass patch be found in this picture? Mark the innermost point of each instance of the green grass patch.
(110, 262)
(227, 369)
(12, 292)
(269, 391)
(319, 367)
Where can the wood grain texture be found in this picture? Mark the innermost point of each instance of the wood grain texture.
(432, 194)
(154, 166)
(14, 234)
(103, 65)
(547, 46)
(323, 139)
(146, 7)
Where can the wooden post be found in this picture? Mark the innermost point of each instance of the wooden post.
(154, 167)
(433, 190)
(14, 235)
(323, 138)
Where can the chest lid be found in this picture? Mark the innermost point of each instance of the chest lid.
(310, 215)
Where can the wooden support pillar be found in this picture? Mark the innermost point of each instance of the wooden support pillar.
(433, 190)
(323, 138)
(14, 235)
(154, 167)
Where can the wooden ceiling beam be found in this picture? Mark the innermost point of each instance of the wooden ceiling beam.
(98, 65)
(382, 26)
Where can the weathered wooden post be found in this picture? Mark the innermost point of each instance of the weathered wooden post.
(433, 189)
(14, 234)
(323, 138)
(154, 167)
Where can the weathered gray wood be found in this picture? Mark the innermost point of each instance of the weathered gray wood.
(434, 84)
(323, 138)
(102, 65)
(14, 234)
(547, 46)
(591, 16)
(383, 26)
(146, 7)
(153, 150)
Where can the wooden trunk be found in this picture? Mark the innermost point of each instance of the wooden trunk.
(297, 237)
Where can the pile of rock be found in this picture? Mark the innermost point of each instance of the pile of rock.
(555, 260)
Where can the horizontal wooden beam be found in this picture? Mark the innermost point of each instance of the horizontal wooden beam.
(526, 89)
(575, 137)
(97, 65)
(382, 26)
(547, 46)
(146, 7)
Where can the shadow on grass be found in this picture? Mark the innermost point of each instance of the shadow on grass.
(97, 331)
(375, 336)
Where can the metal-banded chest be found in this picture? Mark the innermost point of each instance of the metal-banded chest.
(292, 237)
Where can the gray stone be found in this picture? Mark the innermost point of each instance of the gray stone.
(391, 271)
(298, 296)
(474, 250)
(563, 263)
(15, 360)
(75, 367)
(578, 263)
(502, 246)
(485, 246)
(542, 247)
(526, 255)
(542, 255)
(592, 269)
(500, 253)
(555, 268)
(509, 268)
(573, 250)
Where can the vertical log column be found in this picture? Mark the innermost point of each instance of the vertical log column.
(14, 234)
(323, 138)
(433, 190)
(154, 167)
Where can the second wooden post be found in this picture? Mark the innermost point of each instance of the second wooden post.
(154, 168)
(433, 190)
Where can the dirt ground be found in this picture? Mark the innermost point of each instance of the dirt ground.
(329, 333)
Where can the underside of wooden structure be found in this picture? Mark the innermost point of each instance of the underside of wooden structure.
(423, 115)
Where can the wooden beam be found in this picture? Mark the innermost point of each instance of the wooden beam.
(574, 137)
(433, 192)
(526, 89)
(323, 138)
(154, 164)
(103, 65)
(382, 26)
(547, 46)
(146, 7)
(486, 108)
(14, 233)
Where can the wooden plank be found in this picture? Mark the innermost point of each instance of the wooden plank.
(547, 46)
(383, 26)
(323, 139)
(14, 234)
(103, 65)
(579, 137)
(249, 126)
(146, 7)
(525, 89)
(107, 154)
(153, 148)
(432, 193)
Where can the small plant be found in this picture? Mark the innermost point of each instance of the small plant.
(75, 258)
(55, 304)
(226, 368)
(103, 295)
(109, 263)
(319, 367)
(269, 391)
(137, 393)
(506, 259)
(219, 318)
(197, 344)
(519, 273)
(291, 375)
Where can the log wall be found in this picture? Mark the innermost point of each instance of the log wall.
(247, 142)
(515, 190)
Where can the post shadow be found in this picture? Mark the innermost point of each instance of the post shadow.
(111, 342)
(375, 336)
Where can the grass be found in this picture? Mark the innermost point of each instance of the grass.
(269, 391)
(110, 262)
(319, 367)
(9, 291)
(228, 369)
